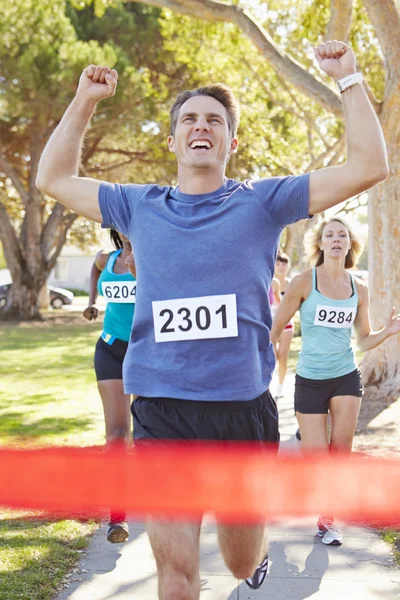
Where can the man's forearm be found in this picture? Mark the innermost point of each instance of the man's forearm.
(61, 156)
(366, 148)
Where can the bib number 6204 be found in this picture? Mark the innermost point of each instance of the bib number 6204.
(195, 318)
(119, 291)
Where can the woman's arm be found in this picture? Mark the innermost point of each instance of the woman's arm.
(290, 303)
(366, 338)
(91, 312)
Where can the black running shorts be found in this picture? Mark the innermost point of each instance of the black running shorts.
(172, 419)
(108, 359)
(311, 396)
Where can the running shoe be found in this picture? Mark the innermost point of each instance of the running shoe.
(328, 531)
(259, 575)
(118, 532)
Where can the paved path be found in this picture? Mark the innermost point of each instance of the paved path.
(300, 565)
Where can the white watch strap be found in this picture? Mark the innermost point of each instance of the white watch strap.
(348, 81)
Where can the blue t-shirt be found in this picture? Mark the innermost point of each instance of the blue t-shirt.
(205, 263)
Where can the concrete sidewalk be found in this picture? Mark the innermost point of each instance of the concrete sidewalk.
(301, 566)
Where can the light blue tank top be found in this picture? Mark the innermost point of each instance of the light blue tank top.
(119, 291)
(326, 326)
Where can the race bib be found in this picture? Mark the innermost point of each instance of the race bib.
(195, 318)
(334, 316)
(119, 291)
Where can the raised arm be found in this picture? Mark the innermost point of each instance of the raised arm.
(366, 338)
(58, 168)
(366, 163)
(290, 303)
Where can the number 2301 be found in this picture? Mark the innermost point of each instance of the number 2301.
(202, 317)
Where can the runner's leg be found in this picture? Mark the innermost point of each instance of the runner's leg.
(176, 550)
(116, 407)
(117, 418)
(243, 547)
(313, 429)
(344, 415)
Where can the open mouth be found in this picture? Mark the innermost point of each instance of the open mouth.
(200, 145)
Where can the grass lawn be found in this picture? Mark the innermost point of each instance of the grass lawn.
(48, 395)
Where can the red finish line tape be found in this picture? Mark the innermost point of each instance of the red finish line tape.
(238, 482)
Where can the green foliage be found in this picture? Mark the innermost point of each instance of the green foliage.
(3, 263)
(277, 134)
(78, 293)
(44, 46)
(392, 537)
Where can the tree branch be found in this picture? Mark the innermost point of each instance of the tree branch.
(340, 20)
(352, 204)
(59, 243)
(320, 161)
(90, 150)
(50, 228)
(117, 165)
(9, 170)
(130, 153)
(13, 251)
(302, 114)
(385, 18)
(213, 10)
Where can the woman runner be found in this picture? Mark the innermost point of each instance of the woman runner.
(331, 302)
(110, 278)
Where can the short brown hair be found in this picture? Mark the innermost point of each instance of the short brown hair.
(220, 92)
(313, 239)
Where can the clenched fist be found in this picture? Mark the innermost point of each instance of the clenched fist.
(336, 59)
(91, 313)
(97, 83)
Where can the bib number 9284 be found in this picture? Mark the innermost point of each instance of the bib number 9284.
(334, 316)
(195, 318)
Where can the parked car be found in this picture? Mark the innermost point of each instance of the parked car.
(58, 296)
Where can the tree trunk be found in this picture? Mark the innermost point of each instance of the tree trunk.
(22, 304)
(44, 298)
(381, 366)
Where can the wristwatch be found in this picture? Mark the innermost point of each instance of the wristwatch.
(347, 82)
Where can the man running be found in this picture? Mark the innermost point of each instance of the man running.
(205, 253)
